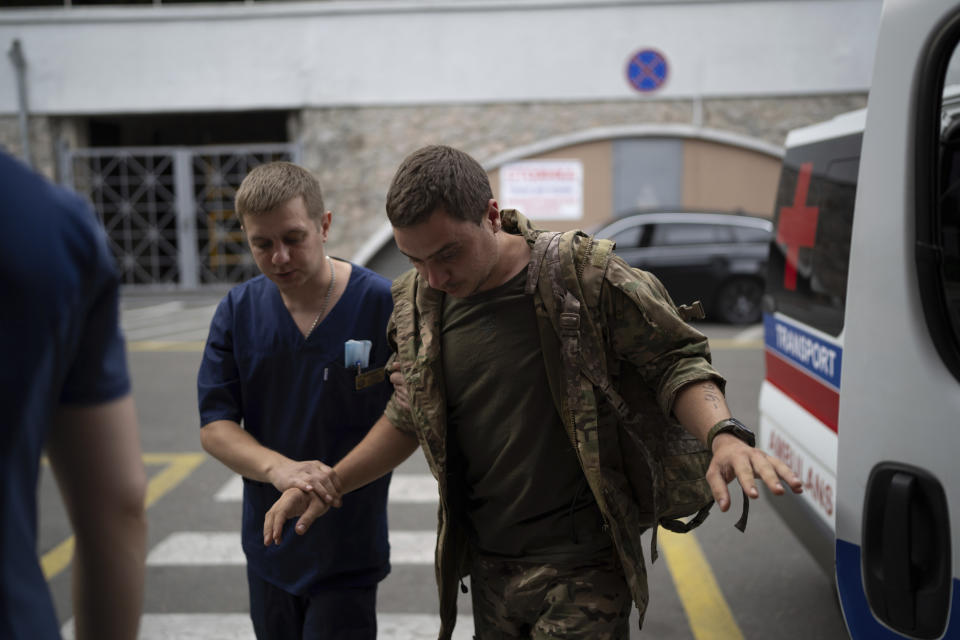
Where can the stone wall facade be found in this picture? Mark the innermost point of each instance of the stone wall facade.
(770, 119)
(355, 151)
(42, 142)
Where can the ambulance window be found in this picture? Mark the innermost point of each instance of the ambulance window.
(938, 196)
(810, 248)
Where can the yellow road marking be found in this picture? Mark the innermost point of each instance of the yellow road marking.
(178, 467)
(164, 345)
(57, 559)
(707, 611)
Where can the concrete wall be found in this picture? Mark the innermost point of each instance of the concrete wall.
(404, 52)
(369, 81)
(355, 151)
(42, 140)
(717, 176)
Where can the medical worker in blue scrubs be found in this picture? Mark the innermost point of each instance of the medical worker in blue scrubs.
(279, 395)
(65, 387)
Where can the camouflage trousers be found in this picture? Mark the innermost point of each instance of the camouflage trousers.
(579, 600)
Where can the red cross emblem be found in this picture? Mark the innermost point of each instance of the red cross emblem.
(798, 226)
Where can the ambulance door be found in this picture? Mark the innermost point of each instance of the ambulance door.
(898, 480)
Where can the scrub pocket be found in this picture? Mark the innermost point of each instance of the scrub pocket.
(347, 408)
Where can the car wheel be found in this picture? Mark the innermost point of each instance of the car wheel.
(739, 301)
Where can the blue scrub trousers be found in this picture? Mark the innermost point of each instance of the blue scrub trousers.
(343, 613)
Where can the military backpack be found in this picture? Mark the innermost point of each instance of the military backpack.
(667, 465)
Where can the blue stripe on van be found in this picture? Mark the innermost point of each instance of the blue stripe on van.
(817, 357)
(861, 623)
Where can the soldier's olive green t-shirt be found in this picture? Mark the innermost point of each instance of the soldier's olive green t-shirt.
(525, 495)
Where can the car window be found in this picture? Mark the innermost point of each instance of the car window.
(683, 233)
(750, 234)
(629, 238)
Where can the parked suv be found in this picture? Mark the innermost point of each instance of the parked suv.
(717, 258)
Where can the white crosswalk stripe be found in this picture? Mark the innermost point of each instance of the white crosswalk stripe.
(405, 488)
(236, 626)
(413, 488)
(135, 316)
(232, 491)
(199, 549)
(189, 548)
(175, 320)
(207, 549)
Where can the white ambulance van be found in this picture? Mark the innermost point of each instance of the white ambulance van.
(862, 334)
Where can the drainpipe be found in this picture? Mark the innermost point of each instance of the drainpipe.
(20, 64)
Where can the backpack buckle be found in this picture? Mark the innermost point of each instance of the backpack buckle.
(693, 311)
(569, 324)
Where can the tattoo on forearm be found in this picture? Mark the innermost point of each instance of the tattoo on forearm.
(711, 393)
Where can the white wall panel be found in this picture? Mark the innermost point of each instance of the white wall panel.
(356, 52)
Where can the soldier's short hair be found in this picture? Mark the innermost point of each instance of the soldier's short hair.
(270, 185)
(435, 177)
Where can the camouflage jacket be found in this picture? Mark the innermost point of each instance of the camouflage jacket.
(649, 346)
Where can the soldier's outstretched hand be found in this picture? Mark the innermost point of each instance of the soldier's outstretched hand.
(733, 458)
(294, 502)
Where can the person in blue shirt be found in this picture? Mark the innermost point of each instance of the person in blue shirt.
(277, 396)
(64, 385)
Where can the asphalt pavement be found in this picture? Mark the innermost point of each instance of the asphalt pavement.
(714, 584)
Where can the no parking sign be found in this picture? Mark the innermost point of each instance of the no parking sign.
(647, 70)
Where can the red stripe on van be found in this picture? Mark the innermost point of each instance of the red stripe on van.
(811, 394)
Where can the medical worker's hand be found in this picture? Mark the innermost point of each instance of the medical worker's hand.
(292, 503)
(734, 458)
(308, 475)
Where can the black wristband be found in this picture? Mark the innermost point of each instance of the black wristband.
(733, 427)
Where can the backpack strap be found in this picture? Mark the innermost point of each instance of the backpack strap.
(580, 356)
(537, 254)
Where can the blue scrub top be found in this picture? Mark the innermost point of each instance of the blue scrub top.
(297, 397)
(60, 343)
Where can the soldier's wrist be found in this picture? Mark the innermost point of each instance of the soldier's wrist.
(733, 427)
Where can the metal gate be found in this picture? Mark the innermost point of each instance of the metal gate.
(168, 211)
